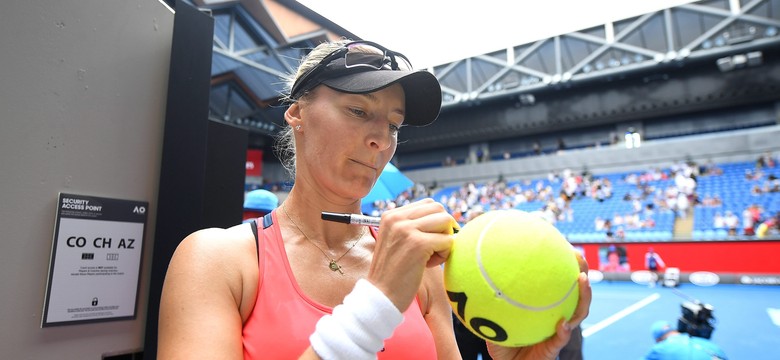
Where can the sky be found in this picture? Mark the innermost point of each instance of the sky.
(436, 32)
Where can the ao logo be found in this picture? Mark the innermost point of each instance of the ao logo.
(704, 278)
(139, 210)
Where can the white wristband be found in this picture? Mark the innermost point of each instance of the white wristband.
(358, 327)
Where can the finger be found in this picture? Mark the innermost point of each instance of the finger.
(422, 208)
(581, 261)
(430, 217)
(437, 246)
(442, 253)
(583, 306)
(438, 222)
(437, 258)
(563, 332)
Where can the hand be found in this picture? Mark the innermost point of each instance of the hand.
(410, 238)
(549, 349)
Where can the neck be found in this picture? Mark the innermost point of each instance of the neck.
(306, 213)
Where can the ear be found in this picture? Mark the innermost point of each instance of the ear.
(293, 115)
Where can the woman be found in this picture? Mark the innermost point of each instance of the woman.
(312, 289)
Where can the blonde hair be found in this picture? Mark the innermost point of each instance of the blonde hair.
(284, 146)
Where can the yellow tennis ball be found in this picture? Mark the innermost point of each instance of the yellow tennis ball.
(511, 276)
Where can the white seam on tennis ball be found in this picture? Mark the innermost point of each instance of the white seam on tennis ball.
(498, 291)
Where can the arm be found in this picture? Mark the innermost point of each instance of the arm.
(438, 313)
(200, 315)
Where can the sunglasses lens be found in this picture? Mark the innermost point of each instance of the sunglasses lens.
(366, 54)
(358, 58)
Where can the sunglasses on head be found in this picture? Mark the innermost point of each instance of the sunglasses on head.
(353, 57)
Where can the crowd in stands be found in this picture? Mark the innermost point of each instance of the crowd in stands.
(653, 191)
(416, 192)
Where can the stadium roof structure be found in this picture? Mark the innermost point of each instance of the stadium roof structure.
(257, 43)
(705, 29)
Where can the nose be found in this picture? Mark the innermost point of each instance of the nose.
(380, 136)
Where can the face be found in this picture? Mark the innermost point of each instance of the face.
(345, 140)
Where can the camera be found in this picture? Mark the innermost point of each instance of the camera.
(696, 320)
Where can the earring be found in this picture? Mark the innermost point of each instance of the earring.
(297, 128)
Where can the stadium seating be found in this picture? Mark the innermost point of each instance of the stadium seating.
(732, 187)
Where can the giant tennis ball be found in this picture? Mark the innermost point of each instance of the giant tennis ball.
(511, 276)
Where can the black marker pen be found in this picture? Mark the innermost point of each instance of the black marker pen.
(356, 219)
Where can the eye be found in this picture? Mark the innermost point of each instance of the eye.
(357, 112)
(394, 129)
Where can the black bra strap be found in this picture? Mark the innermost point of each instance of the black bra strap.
(267, 222)
(254, 228)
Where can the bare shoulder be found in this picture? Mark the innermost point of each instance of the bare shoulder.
(217, 259)
(217, 247)
(210, 277)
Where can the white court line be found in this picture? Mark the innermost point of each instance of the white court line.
(774, 314)
(619, 315)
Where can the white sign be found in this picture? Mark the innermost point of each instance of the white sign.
(94, 271)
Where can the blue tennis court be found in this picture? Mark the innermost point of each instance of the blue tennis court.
(747, 318)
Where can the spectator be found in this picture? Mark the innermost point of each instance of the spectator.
(599, 223)
(748, 223)
(718, 221)
(711, 201)
(732, 222)
(620, 234)
(649, 210)
(765, 161)
(561, 144)
(710, 169)
(769, 227)
(772, 184)
(537, 148)
(613, 138)
(670, 344)
(682, 205)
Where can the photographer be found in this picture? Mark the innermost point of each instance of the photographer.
(670, 344)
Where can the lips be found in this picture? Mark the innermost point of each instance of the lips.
(366, 164)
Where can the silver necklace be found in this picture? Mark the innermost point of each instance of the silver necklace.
(333, 263)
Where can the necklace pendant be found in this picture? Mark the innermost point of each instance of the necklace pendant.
(335, 267)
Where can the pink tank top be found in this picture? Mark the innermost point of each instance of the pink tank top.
(283, 316)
